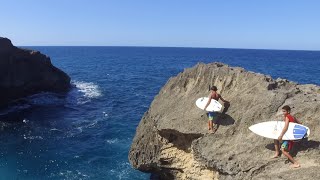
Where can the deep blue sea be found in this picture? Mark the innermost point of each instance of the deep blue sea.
(86, 134)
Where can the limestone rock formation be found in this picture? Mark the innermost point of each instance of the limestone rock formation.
(26, 72)
(172, 140)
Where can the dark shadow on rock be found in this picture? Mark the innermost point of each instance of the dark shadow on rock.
(270, 146)
(224, 120)
(301, 145)
(304, 145)
(226, 107)
(165, 174)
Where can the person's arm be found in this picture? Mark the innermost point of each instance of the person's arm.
(209, 101)
(284, 130)
(297, 121)
(225, 101)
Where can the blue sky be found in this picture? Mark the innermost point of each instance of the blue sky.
(272, 24)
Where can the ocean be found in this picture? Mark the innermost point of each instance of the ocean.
(87, 133)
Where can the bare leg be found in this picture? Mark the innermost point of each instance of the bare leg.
(209, 127)
(276, 147)
(295, 163)
(214, 128)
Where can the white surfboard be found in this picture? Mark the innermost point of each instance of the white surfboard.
(272, 130)
(213, 106)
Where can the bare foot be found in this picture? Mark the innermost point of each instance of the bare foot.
(214, 130)
(275, 156)
(295, 165)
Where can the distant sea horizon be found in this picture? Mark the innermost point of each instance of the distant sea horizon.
(138, 46)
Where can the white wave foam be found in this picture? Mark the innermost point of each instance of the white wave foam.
(112, 141)
(84, 92)
(69, 174)
(89, 90)
(32, 137)
(55, 129)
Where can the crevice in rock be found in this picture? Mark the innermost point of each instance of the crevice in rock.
(179, 140)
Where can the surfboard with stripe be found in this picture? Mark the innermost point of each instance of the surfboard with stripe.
(273, 129)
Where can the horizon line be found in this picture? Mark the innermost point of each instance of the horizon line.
(142, 46)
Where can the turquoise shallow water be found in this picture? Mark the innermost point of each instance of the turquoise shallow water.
(86, 134)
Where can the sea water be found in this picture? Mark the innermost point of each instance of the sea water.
(87, 133)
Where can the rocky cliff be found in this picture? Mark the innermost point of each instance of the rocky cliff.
(26, 72)
(172, 140)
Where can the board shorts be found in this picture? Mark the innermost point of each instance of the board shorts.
(212, 116)
(287, 145)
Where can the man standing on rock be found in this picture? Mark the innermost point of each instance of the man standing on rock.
(286, 146)
(213, 115)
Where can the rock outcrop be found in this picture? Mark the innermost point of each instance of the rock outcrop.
(26, 72)
(172, 140)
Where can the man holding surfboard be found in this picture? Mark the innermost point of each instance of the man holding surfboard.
(286, 146)
(212, 115)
